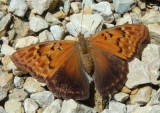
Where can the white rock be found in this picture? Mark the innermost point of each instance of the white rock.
(1, 14)
(6, 81)
(44, 99)
(51, 19)
(32, 86)
(132, 108)
(17, 71)
(6, 49)
(13, 106)
(25, 41)
(122, 6)
(45, 36)
(18, 7)
(87, 26)
(4, 1)
(54, 107)
(4, 22)
(136, 10)
(148, 109)
(145, 109)
(76, 6)
(69, 37)
(108, 25)
(137, 75)
(30, 106)
(121, 21)
(108, 111)
(155, 109)
(142, 4)
(151, 58)
(68, 106)
(136, 18)
(86, 109)
(37, 24)
(127, 17)
(154, 33)
(40, 83)
(3, 93)
(151, 17)
(155, 7)
(18, 82)
(142, 96)
(67, 6)
(155, 96)
(6, 61)
(88, 2)
(117, 107)
(29, 3)
(12, 34)
(5, 40)
(42, 6)
(121, 97)
(136, 21)
(136, 15)
(2, 110)
(18, 94)
(57, 32)
(103, 9)
(117, 16)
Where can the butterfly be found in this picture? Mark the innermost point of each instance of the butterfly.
(63, 64)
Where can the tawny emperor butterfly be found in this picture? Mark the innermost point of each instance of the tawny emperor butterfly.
(62, 64)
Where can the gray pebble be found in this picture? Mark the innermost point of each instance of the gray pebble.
(57, 32)
(37, 24)
(122, 6)
(90, 24)
(18, 7)
(4, 22)
(44, 98)
(30, 106)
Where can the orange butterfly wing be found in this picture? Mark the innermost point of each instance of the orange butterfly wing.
(109, 72)
(122, 41)
(111, 49)
(58, 64)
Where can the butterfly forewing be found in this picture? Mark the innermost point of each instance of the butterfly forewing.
(122, 41)
(38, 59)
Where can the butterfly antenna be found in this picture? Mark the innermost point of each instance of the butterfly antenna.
(91, 27)
(75, 27)
(82, 15)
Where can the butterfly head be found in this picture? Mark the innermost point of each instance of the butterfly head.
(80, 36)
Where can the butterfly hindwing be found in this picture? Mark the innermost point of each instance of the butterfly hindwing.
(70, 81)
(122, 41)
(109, 72)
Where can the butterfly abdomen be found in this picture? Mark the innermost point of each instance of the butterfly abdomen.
(86, 57)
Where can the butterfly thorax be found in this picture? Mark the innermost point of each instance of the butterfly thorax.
(85, 54)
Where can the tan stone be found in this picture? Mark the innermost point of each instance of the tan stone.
(125, 89)
(134, 91)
